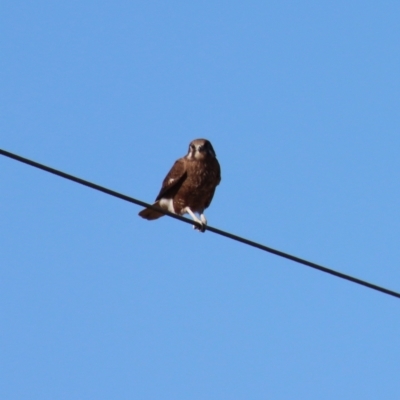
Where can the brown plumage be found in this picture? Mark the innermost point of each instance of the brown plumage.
(190, 184)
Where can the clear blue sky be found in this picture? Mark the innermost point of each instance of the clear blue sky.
(301, 103)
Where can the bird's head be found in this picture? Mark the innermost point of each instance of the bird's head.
(200, 149)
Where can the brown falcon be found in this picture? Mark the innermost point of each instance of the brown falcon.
(190, 184)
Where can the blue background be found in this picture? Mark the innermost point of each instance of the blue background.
(301, 103)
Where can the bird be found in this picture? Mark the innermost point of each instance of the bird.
(189, 186)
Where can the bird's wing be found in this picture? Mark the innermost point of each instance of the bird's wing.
(174, 178)
(217, 180)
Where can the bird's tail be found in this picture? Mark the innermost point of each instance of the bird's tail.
(151, 214)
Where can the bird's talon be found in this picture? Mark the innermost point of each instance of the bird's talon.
(201, 228)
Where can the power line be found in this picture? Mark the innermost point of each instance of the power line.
(209, 228)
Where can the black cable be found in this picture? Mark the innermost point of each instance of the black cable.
(209, 228)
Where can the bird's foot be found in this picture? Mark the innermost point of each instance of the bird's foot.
(202, 221)
(201, 228)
